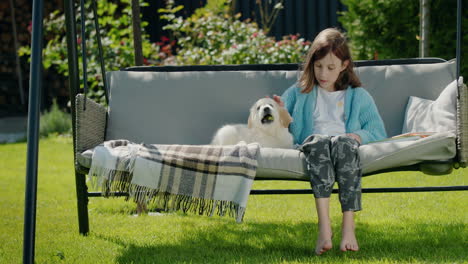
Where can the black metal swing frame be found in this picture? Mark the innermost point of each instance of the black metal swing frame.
(74, 82)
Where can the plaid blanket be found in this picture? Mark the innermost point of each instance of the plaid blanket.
(197, 178)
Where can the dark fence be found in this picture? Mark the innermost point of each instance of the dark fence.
(305, 17)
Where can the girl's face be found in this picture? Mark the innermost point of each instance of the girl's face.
(327, 70)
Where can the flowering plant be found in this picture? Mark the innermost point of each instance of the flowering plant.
(216, 39)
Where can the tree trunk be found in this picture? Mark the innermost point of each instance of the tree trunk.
(424, 28)
(137, 46)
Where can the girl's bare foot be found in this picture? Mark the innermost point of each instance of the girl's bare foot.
(323, 246)
(324, 240)
(349, 241)
(348, 236)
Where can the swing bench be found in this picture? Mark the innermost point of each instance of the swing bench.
(186, 104)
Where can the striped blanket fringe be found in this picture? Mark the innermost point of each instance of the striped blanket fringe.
(187, 204)
(203, 179)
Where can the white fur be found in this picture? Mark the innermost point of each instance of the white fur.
(272, 135)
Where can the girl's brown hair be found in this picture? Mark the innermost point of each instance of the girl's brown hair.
(329, 40)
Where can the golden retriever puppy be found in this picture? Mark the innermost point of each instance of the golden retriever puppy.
(267, 125)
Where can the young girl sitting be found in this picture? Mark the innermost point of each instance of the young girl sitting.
(332, 117)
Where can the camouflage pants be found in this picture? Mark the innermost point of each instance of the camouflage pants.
(331, 159)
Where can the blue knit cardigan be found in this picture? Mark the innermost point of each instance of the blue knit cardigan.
(361, 114)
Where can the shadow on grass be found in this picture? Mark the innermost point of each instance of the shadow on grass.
(277, 243)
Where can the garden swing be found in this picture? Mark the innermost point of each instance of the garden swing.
(185, 104)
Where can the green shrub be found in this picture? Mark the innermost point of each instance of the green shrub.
(209, 38)
(116, 36)
(390, 29)
(55, 121)
(387, 28)
(444, 31)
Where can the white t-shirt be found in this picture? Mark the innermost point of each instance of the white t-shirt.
(329, 113)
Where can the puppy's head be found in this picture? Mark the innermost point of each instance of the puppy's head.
(266, 112)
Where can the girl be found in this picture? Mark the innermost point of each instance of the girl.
(332, 117)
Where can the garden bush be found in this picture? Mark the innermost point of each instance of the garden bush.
(210, 37)
(390, 29)
(117, 40)
(54, 121)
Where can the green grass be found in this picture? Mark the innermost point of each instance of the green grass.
(392, 228)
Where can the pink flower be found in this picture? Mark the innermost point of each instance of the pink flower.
(255, 34)
(167, 49)
(164, 39)
(162, 55)
(294, 37)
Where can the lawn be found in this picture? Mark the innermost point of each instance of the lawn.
(392, 228)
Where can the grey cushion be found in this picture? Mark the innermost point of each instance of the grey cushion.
(290, 163)
(188, 107)
(423, 115)
(185, 107)
(391, 86)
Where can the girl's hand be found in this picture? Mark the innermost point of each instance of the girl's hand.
(355, 136)
(278, 100)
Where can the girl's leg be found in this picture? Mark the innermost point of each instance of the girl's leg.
(317, 151)
(348, 175)
(348, 236)
(324, 240)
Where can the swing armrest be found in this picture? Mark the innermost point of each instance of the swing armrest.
(90, 124)
(462, 124)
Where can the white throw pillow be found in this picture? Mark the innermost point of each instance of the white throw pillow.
(423, 115)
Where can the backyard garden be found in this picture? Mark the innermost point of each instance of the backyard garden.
(419, 227)
(427, 227)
